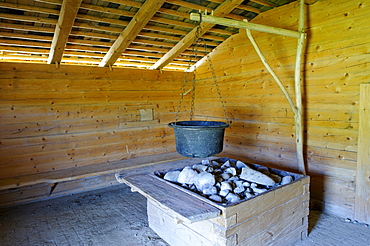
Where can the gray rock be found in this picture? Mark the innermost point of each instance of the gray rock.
(256, 176)
(276, 178)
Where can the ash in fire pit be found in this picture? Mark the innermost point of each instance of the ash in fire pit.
(226, 181)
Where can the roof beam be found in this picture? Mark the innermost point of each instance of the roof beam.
(68, 13)
(141, 18)
(244, 25)
(222, 10)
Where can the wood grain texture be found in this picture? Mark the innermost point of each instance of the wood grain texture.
(70, 117)
(362, 202)
(188, 208)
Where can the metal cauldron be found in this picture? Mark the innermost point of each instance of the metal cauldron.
(199, 139)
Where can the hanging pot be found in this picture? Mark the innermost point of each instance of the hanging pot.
(199, 139)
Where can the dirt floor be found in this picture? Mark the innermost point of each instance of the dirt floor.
(117, 216)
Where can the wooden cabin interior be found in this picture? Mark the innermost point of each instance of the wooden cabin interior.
(88, 87)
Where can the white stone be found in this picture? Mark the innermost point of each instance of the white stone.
(239, 189)
(258, 190)
(256, 176)
(226, 175)
(226, 186)
(204, 180)
(239, 182)
(248, 194)
(199, 167)
(286, 180)
(212, 190)
(241, 165)
(226, 165)
(249, 190)
(230, 170)
(215, 164)
(232, 198)
(172, 176)
(216, 198)
(224, 192)
(187, 176)
(205, 162)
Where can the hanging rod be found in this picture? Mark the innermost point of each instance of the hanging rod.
(244, 25)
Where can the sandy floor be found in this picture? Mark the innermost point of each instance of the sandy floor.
(117, 216)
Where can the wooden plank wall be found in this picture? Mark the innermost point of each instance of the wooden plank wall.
(67, 117)
(336, 62)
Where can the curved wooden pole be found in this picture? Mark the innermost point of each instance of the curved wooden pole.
(264, 61)
(298, 116)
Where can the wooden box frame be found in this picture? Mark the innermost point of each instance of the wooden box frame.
(276, 217)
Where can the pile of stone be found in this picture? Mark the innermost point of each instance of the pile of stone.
(227, 182)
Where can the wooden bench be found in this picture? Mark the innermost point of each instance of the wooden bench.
(40, 186)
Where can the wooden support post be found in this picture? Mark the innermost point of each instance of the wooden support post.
(362, 199)
(298, 121)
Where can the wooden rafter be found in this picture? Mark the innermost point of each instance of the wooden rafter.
(141, 18)
(189, 39)
(68, 13)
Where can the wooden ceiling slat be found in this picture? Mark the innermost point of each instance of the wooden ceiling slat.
(158, 36)
(220, 11)
(265, 3)
(249, 8)
(174, 13)
(252, 9)
(107, 10)
(86, 17)
(29, 8)
(27, 27)
(67, 16)
(172, 22)
(24, 43)
(25, 36)
(28, 18)
(141, 18)
(126, 2)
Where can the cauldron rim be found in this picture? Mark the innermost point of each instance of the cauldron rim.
(198, 124)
